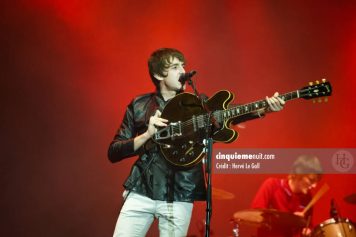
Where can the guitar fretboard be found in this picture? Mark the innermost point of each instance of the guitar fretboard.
(223, 115)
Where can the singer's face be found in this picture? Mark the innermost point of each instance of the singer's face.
(171, 81)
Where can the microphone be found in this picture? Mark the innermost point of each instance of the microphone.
(186, 76)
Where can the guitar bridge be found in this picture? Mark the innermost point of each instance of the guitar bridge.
(170, 132)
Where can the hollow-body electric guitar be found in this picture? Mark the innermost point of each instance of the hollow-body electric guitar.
(191, 121)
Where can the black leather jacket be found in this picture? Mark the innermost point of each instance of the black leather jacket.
(151, 175)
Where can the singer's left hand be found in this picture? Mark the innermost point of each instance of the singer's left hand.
(275, 102)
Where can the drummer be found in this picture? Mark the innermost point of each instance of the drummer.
(291, 194)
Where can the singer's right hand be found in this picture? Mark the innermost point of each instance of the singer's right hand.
(156, 121)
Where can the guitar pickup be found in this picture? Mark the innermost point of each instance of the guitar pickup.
(171, 131)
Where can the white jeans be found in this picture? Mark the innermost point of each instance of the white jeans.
(138, 212)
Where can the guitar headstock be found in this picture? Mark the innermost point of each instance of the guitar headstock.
(315, 90)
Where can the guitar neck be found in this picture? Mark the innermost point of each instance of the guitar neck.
(251, 107)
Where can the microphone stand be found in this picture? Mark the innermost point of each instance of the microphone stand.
(208, 149)
(209, 210)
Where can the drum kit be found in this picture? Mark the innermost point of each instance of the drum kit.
(270, 220)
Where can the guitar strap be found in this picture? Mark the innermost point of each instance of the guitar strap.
(152, 106)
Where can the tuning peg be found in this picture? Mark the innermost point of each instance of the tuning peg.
(310, 83)
(317, 82)
(313, 101)
(326, 99)
(323, 80)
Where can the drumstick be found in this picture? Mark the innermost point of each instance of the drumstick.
(317, 196)
(304, 231)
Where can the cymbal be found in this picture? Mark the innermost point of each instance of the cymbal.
(221, 194)
(350, 198)
(269, 218)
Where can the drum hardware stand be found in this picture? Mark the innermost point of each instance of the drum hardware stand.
(235, 230)
(333, 211)
(334, 214)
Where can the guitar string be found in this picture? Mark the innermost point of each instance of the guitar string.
(286, 97)
(218, 113)
(202, 118)
(224, 117)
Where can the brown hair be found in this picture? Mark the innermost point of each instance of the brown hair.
(307, 164)
(160, 61)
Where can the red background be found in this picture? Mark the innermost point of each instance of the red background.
(69, 68)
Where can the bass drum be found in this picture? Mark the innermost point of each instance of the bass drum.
(335, 228)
